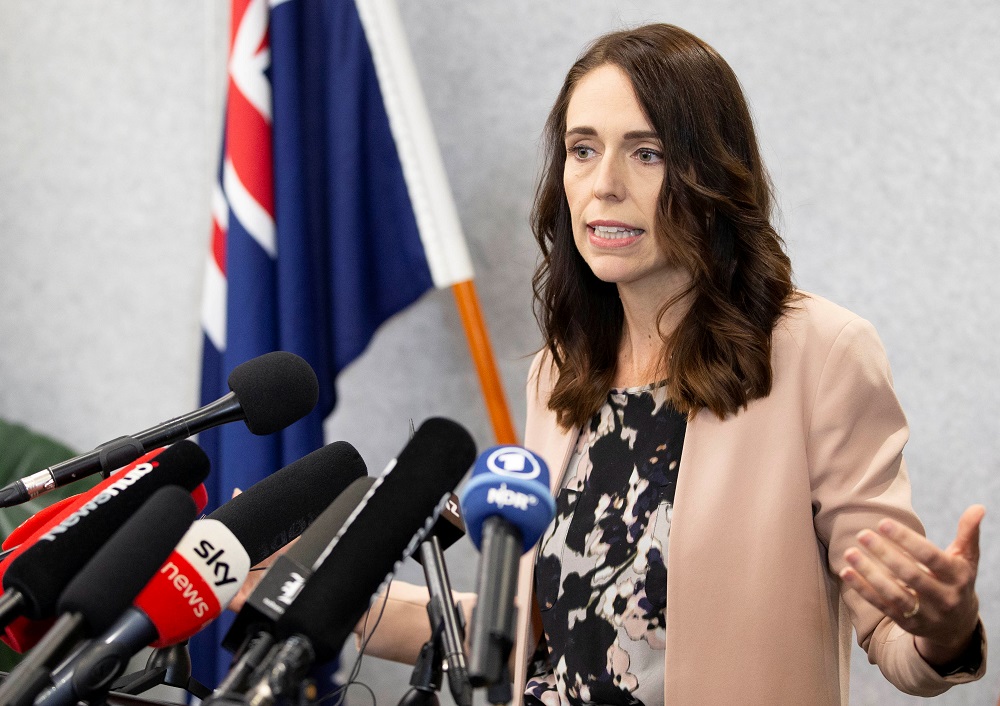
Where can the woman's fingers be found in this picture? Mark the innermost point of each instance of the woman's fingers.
(944, 566)
(966, 542)
(899, 563)
(878, 586)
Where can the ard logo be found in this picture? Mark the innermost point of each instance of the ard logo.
(515, 462)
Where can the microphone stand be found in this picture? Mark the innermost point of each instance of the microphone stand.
(168, 666)
(427, 677)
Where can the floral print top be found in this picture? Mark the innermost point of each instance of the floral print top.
(601, 576)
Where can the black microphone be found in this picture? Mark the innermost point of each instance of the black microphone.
(266, 602)
(201, 575)
(388, 526)
(250, 634)
(282, 506)
(392, 519)
(103, 589)
(269, 393)
(35, 578)
(262, 519)
(507, 506)
(449, 526)
(446, 620)
(445, 617)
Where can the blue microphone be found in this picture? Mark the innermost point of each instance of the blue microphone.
(507, 505)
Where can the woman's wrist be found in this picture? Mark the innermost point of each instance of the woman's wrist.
(964, 654)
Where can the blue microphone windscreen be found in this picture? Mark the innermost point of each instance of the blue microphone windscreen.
(513, 483)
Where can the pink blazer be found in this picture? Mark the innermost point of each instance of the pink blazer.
(767, 501)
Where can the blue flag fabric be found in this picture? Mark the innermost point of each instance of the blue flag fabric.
(347, 251)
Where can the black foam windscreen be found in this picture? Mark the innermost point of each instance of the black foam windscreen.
(279, 508)
(44, 569)
(108, 583)
(387, 526)
(274, 390)
(315, 540)
(265, 603)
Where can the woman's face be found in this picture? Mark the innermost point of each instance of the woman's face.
(613, 175)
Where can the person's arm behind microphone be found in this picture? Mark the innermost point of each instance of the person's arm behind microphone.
(404, 625)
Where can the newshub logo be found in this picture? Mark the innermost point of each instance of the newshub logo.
(128, 479)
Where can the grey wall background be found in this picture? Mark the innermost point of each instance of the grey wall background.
(878, 122)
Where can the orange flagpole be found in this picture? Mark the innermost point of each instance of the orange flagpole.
(482, 355)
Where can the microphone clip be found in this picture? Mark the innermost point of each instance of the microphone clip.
(427, 673)
(119, 452)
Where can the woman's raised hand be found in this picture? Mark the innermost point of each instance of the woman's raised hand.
(929, 592)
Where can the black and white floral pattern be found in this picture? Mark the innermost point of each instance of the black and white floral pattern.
(601, 576)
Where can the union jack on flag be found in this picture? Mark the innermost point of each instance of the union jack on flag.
(332, 212)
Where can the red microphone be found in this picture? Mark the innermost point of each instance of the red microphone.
(38, 570)
(46, 516)
(199, 579)
(201, 576)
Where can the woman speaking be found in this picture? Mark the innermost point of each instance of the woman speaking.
(726, 450)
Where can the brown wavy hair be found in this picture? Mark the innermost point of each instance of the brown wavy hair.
(713, 218)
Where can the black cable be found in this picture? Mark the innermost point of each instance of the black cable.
(352, 679)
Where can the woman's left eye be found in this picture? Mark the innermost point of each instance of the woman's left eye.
(648, 156)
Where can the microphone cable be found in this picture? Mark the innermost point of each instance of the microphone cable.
(352, 680)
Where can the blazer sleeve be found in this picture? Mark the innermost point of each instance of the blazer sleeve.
(857, 431)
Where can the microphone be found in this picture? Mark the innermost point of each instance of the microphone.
(267, 601)
(249, 637)
(40, 569)
(388, 524)
(280, 507)
(398, 512)
(269, 393)
(507, 506)
(449, 526)
(447, 619)
(201, 575)
(104, 587)
(46, 515)
(209, 566)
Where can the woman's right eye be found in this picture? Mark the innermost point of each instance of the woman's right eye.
(581, 151)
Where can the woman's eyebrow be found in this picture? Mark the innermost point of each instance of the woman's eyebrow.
(641, 135)
(629, 136)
